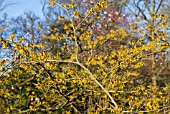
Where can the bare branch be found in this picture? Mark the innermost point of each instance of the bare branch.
(158, 7)
(153, 5)
(4, 5)
(148, 8)
(137, 6)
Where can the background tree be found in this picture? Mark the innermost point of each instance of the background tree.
(4, 21)
(149, 22)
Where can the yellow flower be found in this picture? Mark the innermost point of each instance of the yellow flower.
(77, 14)
(98, 7)
(165, 89)
(156, 16)
(163, 16)
(134, 73)
(8, 110)
(164, 24)
(66, 26)
(31, 107)
(52, 3)
(44, 36)
(73, 6)
(39, 27)
(66, 6)
(12, 36)
(89, 11)
(0, 29)
(33, 92)
(21, 51)
(161, 34)
(61, 17)
(21, 39)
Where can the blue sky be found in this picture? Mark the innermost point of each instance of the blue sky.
(22, 6)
